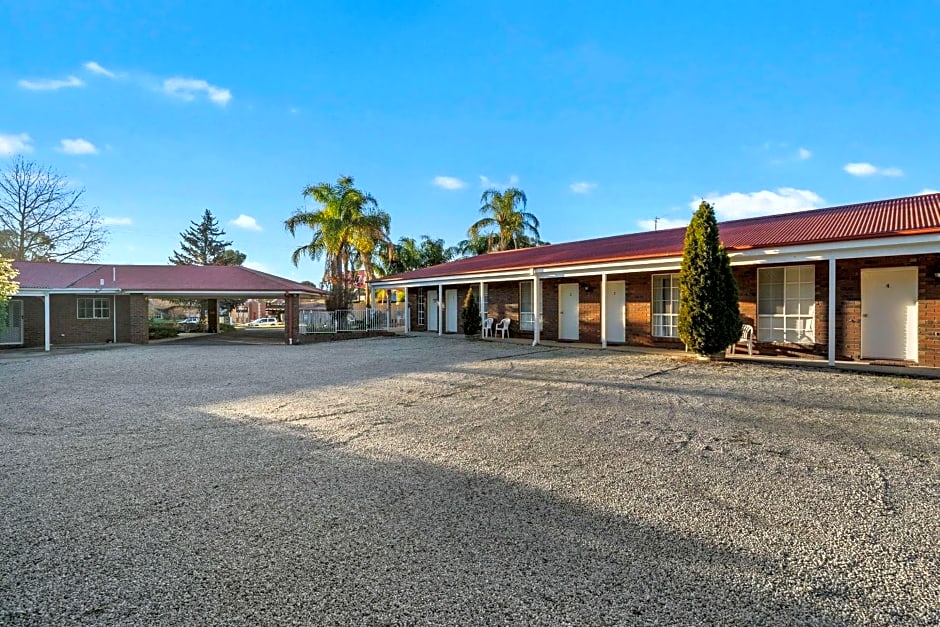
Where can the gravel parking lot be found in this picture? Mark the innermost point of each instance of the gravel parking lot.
(427, 480)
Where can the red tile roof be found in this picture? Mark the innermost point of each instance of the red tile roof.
(871, 220)
(153, 279)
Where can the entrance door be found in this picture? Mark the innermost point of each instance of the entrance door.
(432, 310)
(450, 311)
(568, 311)
(616, 301)
(889, 313)
(12, 332)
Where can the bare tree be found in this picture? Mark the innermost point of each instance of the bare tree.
(42, 217)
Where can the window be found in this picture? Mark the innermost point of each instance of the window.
(786, 304)
(91, 308)
(484, 304)
(665, 305)
(526, 307)
(421, 309)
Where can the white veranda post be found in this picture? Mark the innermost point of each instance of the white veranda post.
(536, 311)
(482, 310)
(440, 309)
(604, 310)
(832, 312)
(407, 313)
(46, 318)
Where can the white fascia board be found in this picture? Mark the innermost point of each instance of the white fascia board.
(884, 247)
(551, 272)
(219, 293)
(35, 291)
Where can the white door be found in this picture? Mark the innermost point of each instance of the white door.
(616, 308)
(432, 310)
(568, 311)
(12, 332)
(889, 313)
(450, 311)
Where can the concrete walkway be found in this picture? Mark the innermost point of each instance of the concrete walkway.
(804, 362)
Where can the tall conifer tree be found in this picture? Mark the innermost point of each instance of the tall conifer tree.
(202, 245)
(709, 316)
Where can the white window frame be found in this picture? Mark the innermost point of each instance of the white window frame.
(100, 308)
(527, 323)
(667, 320)
(422, 308)
(794, 318)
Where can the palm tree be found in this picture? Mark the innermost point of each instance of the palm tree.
(348, 226)
(506, 226)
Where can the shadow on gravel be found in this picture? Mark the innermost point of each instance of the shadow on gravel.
(218, 522)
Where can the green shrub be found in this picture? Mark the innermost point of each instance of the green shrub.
(159, 331)
(709, 316)
(471, 315)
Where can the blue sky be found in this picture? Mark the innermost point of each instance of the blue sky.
(606, 114)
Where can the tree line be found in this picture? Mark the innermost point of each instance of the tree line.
(350, 232)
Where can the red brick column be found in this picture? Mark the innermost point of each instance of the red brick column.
(292, 319)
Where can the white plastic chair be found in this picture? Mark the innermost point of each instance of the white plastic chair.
(488, 327)
(503, 328)
(747, 337)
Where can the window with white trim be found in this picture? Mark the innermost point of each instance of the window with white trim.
(527, 313)
(786, 304)
(93, 308)
(421, 308)
(665, 305)
(483, 302)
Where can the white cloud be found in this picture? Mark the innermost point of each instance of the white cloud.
(254, 265)
(739, 205)
(77, 146)
(804, 154)
(15, 144)
(116, 221)
(246, 222)
(96, 68)
(661, 224)
(487, 183)
(189, 88)
(582, 187)
(927, 190)
(867, 169)
(448, 182)
(51, 84)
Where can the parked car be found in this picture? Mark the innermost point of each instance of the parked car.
(264, 322)
(190, 320)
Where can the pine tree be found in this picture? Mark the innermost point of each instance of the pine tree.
(471, 315)
(202, 245)
(709, 316)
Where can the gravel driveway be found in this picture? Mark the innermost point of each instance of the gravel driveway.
(441, 481)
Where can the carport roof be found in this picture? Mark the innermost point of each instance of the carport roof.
(154, 279)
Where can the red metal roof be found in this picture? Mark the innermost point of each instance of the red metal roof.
(870, 220)
(35, 275)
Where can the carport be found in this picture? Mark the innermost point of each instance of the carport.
(67, 304)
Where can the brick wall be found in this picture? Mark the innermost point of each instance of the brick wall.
(131, 312)
(849, 308)
(503, 302)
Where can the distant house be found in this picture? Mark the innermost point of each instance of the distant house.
(69, 303)
(852, 282)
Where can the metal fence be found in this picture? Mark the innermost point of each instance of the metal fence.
(353, 320)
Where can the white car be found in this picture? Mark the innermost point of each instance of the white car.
(264, 322)
(190, 320)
